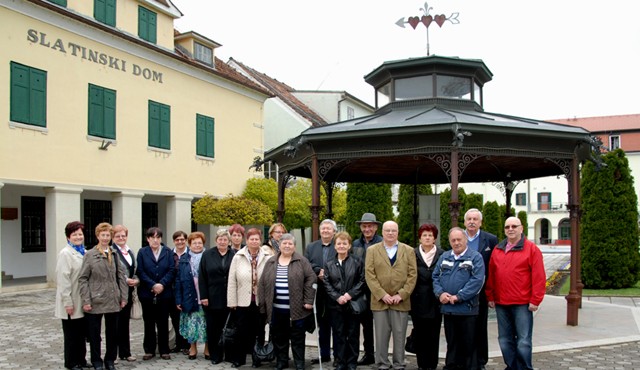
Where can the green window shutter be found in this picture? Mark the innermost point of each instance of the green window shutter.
(110, 12)
(165, 126)
(154, 124)
(143, 28)
(109, 113)
(99, 10)
(28, 102)
(19, 93)
(96, 111)
(210, 124)
(153, 26)
(201, 144)
(59, 2)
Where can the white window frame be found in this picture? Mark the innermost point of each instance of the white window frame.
(200, 55)
(612, 139)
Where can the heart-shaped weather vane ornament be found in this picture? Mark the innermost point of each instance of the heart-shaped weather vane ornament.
(427, 19)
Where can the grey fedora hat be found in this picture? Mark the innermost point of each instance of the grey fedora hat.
(368, 218)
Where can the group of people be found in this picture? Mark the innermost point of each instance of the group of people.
(374, 281)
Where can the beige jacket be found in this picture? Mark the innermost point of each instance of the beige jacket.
(239, 285)
(382, 278)
(67, 284)
(103, 285)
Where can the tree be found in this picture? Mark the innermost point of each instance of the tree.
(230, 210)
(367, 197)
(264, 190)
(492, 219)
(609, 224)
(503, 218)
(405, 212)
(522, 216)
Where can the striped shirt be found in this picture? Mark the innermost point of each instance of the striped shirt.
(281, 298)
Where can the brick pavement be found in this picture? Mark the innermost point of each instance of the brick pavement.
(31, 338)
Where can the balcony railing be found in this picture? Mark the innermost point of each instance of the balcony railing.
(550, 207)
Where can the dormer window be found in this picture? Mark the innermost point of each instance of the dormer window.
(203, 53)
(453, 87)
(420, 87)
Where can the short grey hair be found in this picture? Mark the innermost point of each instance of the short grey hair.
(331, 222)
(456, 228)
(473, 210)
(288, 237)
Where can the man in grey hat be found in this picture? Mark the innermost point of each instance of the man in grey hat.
(369, 227)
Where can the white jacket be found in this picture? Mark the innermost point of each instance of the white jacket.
(68, 287)
(239, 286)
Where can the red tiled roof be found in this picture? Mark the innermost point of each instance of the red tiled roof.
(604, 123)
(284, 92)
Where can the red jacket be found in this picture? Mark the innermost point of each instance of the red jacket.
(516, 277)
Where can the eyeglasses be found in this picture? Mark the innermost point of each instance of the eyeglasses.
(507, 227)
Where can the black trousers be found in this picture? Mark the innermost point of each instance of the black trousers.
(174, 313)
(156, 315)
(216, 319)
(250, 326)
(324, 329)
(94, 321)
(481, 344)
(460, 332)
(75, 349)
(366, 319)
(427, 340)
(284, 331)
(346, 345)
(124, 341)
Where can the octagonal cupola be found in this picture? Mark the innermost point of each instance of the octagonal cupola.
(430, 80)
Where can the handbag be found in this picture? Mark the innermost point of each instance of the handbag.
(136, 307)
(409, 345)
(264, 352)
(359, 305)
(228, 336)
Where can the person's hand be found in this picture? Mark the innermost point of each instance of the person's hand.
(321, 274)
(232, 308)
(387, 299)
(453, 299)
(179, 307)
(347, 296)
(131, 282)
(533, 307)
(86, 307)
(444, 298)
(69, 310)
(157, 289)
(123, 303)
(205, 302)
(491, 304)
(308, 306)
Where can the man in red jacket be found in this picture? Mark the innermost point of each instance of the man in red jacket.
(515, 287)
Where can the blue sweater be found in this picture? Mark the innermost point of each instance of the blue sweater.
(463, 277)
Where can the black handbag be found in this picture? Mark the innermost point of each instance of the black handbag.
(264, 352)
(359, 305)
(228, 336)
(409, 345)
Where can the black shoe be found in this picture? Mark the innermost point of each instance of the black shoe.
(175, 350)
(235, 364)
(315, 361)
(367, 359)
(215, 361)
(335, 363)
(109, 366)
(77, 367)
(255, 364)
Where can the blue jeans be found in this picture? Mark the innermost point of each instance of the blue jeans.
(515, 332)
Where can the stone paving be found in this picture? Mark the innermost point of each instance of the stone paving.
(31, 338)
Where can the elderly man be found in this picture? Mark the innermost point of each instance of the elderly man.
(318, 253)
(457, 281)
(483, 242)
(369, 227)
(391, 273)
(516, 287)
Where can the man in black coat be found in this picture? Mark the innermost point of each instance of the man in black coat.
(483, 242)
(318, 253)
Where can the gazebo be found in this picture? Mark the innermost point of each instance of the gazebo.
(430, 127)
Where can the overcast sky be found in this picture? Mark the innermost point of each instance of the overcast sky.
(549, 58)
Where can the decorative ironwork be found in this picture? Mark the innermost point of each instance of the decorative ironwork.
(325, 166)
(564, 164)
(257, 163)
(458, 136)
(442, 160)
(427, 19)
(510, 185)
(464, 160)
(575, 211)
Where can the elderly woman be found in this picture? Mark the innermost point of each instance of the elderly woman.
(104, 291)
(344, 283)
(214, 273)
(68, 303)
(287, 294)
(272, 246)
(242, 295)
(236, 234)
(128, 260)
(425, 307)
(192, 322)
(156, 270)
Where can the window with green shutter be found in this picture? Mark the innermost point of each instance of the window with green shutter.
(204, 136)
(59, 2)
(159, 125)
(102, 112)
(28, 95)
(105, 11)
(147, 24)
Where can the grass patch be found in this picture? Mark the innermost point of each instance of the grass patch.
(626, 292)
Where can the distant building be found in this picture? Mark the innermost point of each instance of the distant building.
(112, 115)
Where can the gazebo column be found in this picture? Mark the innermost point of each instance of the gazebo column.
(454, 205)
(328, 188)
(315, 199)
(282, 184)
(574, 298)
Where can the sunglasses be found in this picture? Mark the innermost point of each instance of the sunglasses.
(507, 227)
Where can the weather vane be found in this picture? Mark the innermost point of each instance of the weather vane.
(427, 19)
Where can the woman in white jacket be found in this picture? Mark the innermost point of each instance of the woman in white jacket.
(68, 302)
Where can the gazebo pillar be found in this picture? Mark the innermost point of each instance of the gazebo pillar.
(574, 298)
(328, 189)
(315, 199)
(282, 184)
(454, 205)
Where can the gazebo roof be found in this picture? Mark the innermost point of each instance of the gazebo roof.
(411, 141)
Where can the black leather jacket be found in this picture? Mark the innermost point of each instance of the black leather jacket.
(348, 278)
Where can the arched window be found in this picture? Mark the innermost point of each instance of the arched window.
(564, 229)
